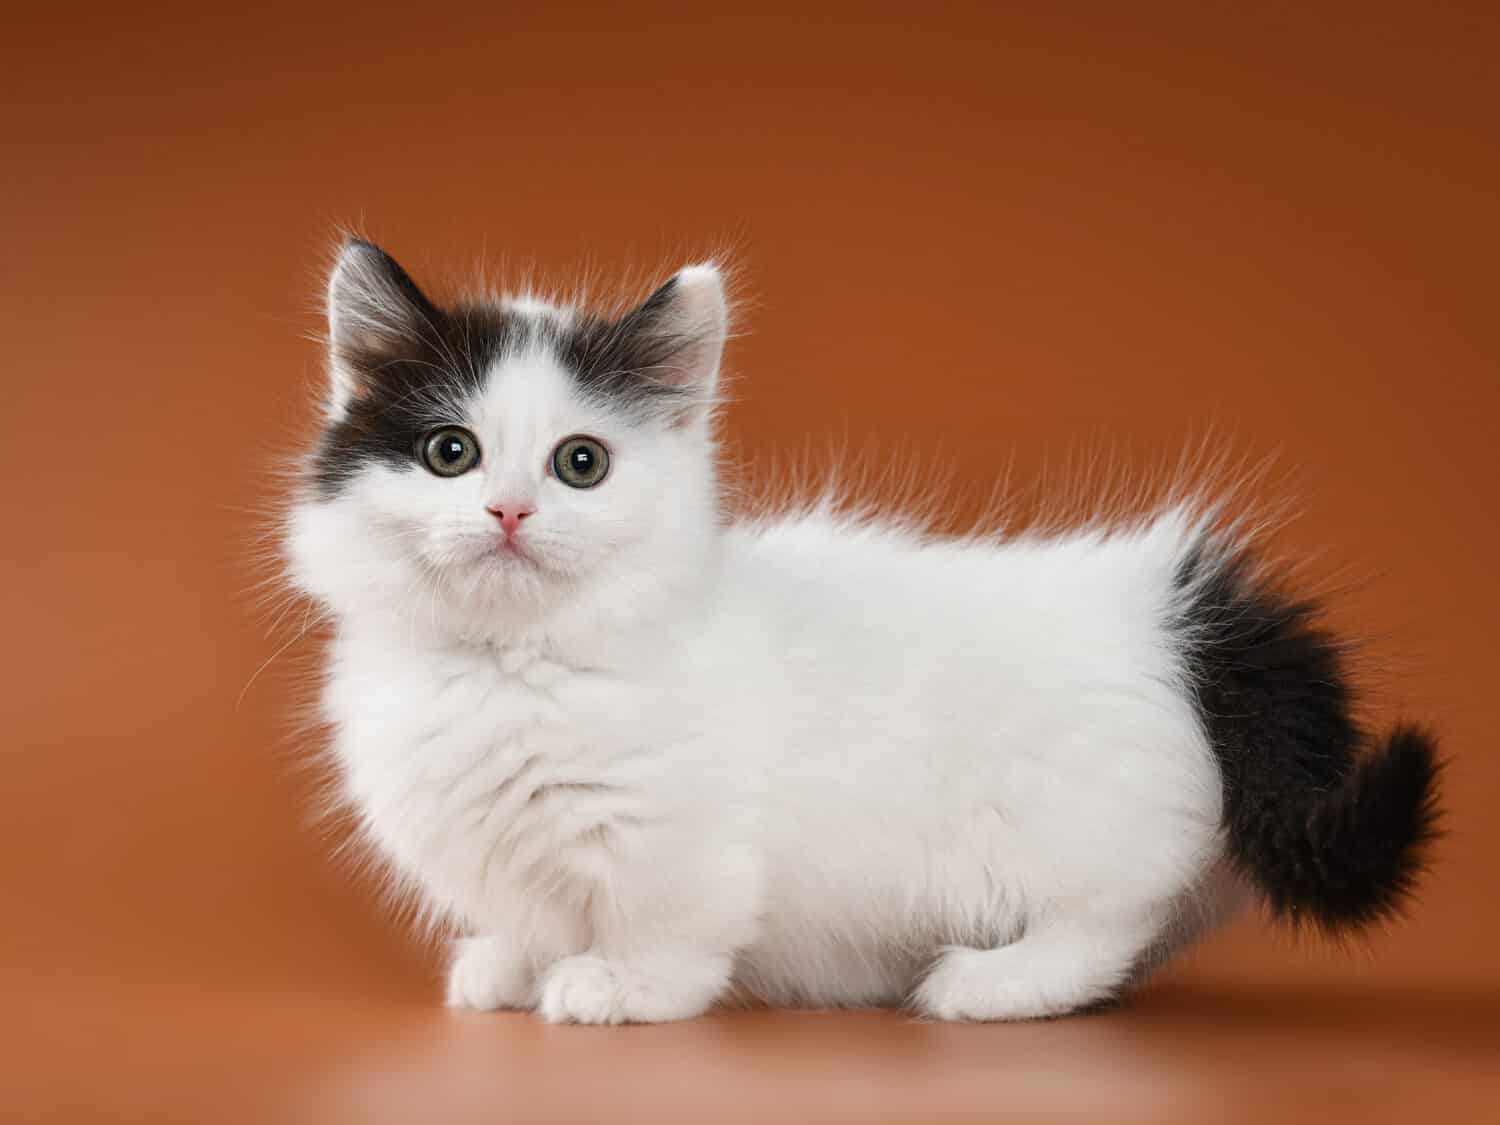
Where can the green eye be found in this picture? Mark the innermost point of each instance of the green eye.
(450, 452)
(580, 462)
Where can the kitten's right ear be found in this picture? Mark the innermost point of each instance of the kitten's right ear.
(376, 314)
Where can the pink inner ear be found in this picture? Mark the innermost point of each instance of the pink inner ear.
(699, 315)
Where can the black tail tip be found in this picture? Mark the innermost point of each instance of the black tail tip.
(1372, 841)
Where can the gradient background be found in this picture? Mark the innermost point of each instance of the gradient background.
(983, 239)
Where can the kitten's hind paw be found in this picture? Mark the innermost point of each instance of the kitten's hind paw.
(1051, 971)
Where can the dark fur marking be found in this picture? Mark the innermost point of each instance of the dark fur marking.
(633, 361)
(1329, 824)
(441, 353)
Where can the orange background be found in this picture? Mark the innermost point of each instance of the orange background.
(975, 238)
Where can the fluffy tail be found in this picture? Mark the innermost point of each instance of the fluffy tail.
(1331, 825)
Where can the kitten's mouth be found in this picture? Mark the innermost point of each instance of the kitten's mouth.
(509, 548)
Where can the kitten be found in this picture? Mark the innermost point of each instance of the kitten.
(647, 757)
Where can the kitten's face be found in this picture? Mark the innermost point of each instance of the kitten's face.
(487, 467)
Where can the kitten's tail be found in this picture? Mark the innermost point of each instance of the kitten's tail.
(1330, 824)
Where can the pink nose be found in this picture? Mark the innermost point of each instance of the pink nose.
(510, 515)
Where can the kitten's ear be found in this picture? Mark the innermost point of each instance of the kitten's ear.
(376, 314)
(679, 333)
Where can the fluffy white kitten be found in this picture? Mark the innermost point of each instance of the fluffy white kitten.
(648, 757)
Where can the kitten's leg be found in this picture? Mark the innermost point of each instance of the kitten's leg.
(591, 988)
(1057, 966)
(489, 973)
(499, 968)
(664, 941)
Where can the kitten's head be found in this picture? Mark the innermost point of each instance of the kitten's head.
(500, 467)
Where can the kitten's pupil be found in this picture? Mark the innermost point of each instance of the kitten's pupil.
(583, 460)
(451, 450)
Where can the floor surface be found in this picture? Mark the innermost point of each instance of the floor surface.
(1187, 1051)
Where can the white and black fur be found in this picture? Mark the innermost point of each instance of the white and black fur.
(654, 757)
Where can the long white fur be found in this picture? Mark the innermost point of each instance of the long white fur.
(811, 759)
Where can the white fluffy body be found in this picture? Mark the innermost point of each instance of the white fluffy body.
(665, 758)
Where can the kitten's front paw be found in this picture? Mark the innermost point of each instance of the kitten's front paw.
(586, 989)
(485, 974)
(956, 987)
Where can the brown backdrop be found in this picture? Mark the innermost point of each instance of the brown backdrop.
(976, 239)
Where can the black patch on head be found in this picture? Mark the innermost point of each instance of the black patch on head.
(406, 380)
(426, 356)
(633, 362)
(1329, 824)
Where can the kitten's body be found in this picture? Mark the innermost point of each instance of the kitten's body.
(816, 760)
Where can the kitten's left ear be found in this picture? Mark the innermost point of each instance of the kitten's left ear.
(677, 335)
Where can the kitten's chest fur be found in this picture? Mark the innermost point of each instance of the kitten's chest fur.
(487, 773)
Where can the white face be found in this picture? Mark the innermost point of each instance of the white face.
(418, 537)
(523, 534)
